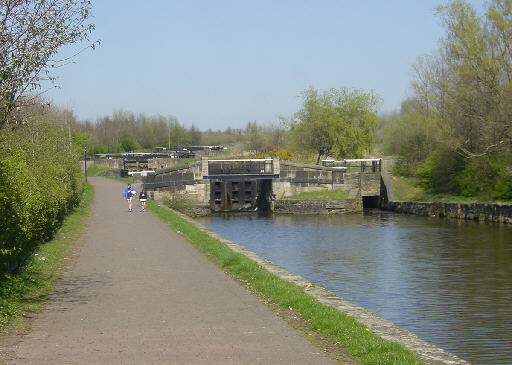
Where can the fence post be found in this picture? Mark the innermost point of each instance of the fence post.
(85, 163)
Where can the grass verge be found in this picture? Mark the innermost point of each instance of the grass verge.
(408, 189)
(95, 170)
(25, 292)
(343, 330)
(320, 195)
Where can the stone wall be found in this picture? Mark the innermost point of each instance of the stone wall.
(186, 179)
(297, 178)
(110, 163)
(366, 184)
(161, 163)
(317, 206)
(475, 211)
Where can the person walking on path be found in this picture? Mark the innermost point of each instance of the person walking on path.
(129, 193)
(142, 198)
(139, 293)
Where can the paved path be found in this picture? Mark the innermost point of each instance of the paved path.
(139, 294)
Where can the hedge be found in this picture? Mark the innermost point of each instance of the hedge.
(40, 182)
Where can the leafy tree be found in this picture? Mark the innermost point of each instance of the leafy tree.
(466, 86)
(178, 135)
(340, 122)
(456, 133)
(255, 137)
(411, 136)
(31, 33)
(195, 136)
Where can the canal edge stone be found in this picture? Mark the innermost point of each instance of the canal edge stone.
(426, 351)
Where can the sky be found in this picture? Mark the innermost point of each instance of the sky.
(215, 64)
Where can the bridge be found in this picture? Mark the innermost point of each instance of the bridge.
(255, 184)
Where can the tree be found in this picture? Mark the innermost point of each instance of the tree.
(31, 33)
(456, 132)
(466, 86)
(341, 121)
(178, 135)
(255, 138)
(409, 135)
(195, 135)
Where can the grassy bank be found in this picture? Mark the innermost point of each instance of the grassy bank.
(25, 292)
(408, 189)
(341, 329)
(95, 170)
(320, 195)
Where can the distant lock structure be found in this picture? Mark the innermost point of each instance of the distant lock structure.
(260, 184)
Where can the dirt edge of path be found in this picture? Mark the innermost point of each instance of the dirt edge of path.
(13, 333)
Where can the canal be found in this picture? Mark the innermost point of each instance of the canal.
(448, 281)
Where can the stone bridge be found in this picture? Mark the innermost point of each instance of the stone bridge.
(230, 185)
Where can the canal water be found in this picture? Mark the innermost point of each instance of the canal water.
(448, 281)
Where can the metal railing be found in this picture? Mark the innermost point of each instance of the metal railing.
(356, 165)
(240, 167)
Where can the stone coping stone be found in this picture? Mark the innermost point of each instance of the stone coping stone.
(426, 351)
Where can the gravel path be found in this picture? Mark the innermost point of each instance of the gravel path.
(139, 294)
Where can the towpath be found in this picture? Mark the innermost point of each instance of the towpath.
(140, 294)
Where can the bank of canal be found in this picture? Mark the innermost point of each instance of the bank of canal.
(447, 281)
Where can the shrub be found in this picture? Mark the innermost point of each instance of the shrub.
(488, 177)
(176, 200)
(440, 170)
(281, 153)
(40, 182)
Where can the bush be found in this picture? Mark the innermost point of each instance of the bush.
(439, 171)
(40, 182)
(176, 200)
(281, 153)
(488, 177)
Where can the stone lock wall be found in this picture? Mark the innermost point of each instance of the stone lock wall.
(317, 206)
(363, 184)
(288, 179)
(476, 211)
(161, 163)
(297, 178)
(186, 179)
(110, 163)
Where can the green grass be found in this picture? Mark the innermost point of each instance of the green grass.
(320, 195)
(185, 161)
(94, 170)
(367, 347)
(25, 292)
(408, 189)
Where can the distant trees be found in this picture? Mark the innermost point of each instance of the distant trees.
(31, 33)
(256, 140)
(341, 122)
(126, 132)
(195, 136)
(458, 124)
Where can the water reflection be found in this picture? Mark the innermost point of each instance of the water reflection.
(447, 281)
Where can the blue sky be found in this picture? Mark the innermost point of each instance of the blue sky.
(223, 63)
